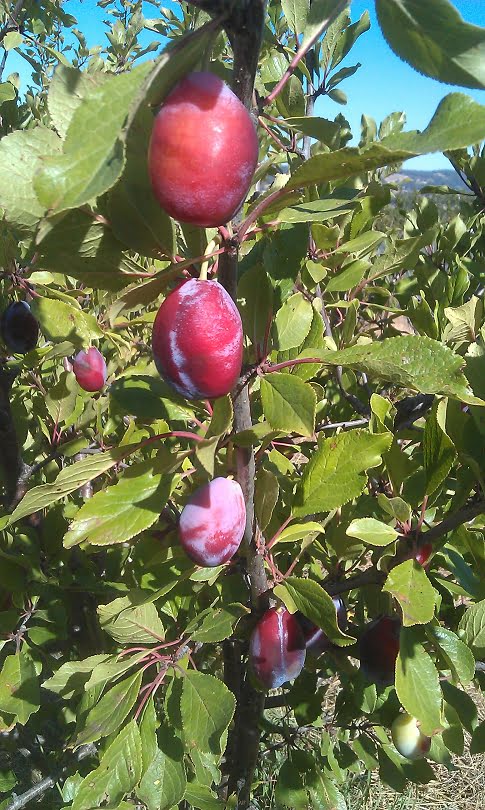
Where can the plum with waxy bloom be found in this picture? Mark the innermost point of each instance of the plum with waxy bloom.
(212, 522)
(203, 151)
(19, 328)
(276, 649)
(89, 368)
(197, 340)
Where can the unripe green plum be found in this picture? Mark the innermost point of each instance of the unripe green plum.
(408, 738)
(203, 151)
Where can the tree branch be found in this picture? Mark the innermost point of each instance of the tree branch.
(38, 790)
(454, 521)
(16, 472)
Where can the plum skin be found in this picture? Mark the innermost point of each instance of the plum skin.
(197, 340)
(276, 649)
(423, 553)
(203, 151)
(316, 640)
(19, 328)
(379, 648)
(408, 738)
(89, 368)
(212, 522)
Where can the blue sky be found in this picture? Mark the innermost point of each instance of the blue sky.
(382, 85)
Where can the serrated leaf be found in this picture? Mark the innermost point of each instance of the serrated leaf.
(67, 89)
(372, 531)
(472, 627)
(163, 784)
(296, 13)
(292, 323)
(266, 494)
(289, 404)
(20, 155)
(207, 707)
(302, 783)
(435, 40)
(124, 510)
(215, 624)
(316, 211)
(409, 584)
(19, 687)
(113, 708)
(316, 604)
(438, 451)
(90, 166)
(117, 774)
(336, 472)
(477, 744)
(112, 669)
(417, 682)
(457, 655)
(202, 798)
(444, 132)
(149, 398)
(299, 531)
(72, 676)
(126, 621)
(410, 361)
(60, 321)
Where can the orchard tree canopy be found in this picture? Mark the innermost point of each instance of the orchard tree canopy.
(242, 408)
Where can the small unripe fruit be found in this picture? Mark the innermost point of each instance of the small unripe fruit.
(198, 340)
(212, 522)
(407, 737)
(423, 553)
(379, 648)
(276, 649)
(89, 368)
(19, 328)
(316, 641)
(203, 151)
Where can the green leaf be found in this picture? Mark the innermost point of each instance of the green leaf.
(299, 531)
(433, 38)
(19, 687)
(67, 89)
(163, 784)
(201, 797)
(316, 211)
(372, 531)
(20, 155)
(149, 398)
(439, 452)
(457, 655)
(90, 166)
(292, 323)
(417, 683)
(61, 398)
(409, 584)
(112, 669)
(336, 472)
(296, 13)
(126, 621)
(477, 744)
(302, 783)
(265, 496)
(349, 277)
(410, 361)
(60, 321)
(113, 708)
(207, 707)
(72, 676)
(148, 733)
(221, 419)
(215, 624)
(117, 774)
(289, 404)
(472, 627)
(444, 132)
(7, 92)
(121, 512)
(316, 604)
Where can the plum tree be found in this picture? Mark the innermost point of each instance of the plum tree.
(276, 648)
(408, 738)
(203, 151)
(19, 328)
(197, 340)
(89, 368)
(316, 640)
(379, 648)
(212, 522)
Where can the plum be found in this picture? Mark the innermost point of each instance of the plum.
(379, 648)
(408, 738)
(316, 640)
(276, 648)
(203, 151)
(19, 328)
(89, 368)
(197, 340)
(212, 522)
(423, 553)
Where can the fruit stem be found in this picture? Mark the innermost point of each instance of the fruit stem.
(209, 252)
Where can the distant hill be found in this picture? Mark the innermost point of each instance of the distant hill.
(414, 179)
